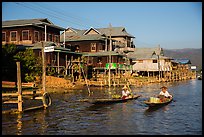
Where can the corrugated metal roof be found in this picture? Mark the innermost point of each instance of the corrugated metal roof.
(115, 31)
(56, 49)
(147, 53)
(28, 22)
(78, 35)
(103, 53)
(46, 44)
(182, 61)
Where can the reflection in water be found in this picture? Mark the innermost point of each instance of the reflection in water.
(69, 116)
(19, 124)
(156, 108)
(42, 120)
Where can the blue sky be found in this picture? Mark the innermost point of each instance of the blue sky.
(173, 25)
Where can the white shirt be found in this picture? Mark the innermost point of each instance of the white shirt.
(125, 93)
(166, 94)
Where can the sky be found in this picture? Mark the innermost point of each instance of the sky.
(172, 25)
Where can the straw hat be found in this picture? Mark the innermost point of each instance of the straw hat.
(125, 87)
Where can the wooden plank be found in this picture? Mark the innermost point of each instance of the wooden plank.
(39, 97)
(13, 84)
(8, 83)
(24, 93)
(9, 94)
(12, 111)
(11, 101)
(32, 108)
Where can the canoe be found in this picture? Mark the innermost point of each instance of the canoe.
(154, 104)
(199, 77)
(109, 101)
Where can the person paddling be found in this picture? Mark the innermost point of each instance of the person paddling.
(125, 92)
(164, 93)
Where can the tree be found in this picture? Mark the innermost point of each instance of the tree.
(31, 66)
(8, 62)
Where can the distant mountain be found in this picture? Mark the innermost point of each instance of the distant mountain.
(195, 55)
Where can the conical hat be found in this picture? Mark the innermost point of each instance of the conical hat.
(125, 87)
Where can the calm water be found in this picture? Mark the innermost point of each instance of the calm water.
(183, 116)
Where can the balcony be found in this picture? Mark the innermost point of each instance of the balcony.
(128, 49)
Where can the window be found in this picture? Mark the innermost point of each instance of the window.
(90, 60)
(56, 39)
(36, 36)
(154, 61)
(47, 37)
(13, 35)
(3, 36)
(50, 37)
(43, 37)
(68, 46)
(99, 59)
(25, 35)
(93, 46)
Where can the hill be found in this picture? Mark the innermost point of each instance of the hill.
(195, 55)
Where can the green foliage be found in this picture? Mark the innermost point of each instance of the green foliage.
(29, 78)
(51, 72)
(8, 51)
(30, 64)
(8, 62)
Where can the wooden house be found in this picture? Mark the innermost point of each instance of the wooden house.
(183, 64)
(96, 40)
(99, 61)
(95, 43)
(150, 61)
(30, 33)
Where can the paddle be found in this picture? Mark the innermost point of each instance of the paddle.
(131, 93)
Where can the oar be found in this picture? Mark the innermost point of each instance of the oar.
(129, 88)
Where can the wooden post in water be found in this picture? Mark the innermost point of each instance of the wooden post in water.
(20, 102)
(43, 69)
(110, 49)
(58, 63)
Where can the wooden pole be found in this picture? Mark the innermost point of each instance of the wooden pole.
(66, 64)
(20, 102)
(58, 63)
(64, 39)
(72, 71)
(110, 48)
(43, 69)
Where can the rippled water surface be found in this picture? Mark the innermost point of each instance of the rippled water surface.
(67, 115)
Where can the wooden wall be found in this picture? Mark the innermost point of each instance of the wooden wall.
(85, 46)
(31, 39)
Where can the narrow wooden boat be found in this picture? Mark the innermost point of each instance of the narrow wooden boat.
(199, 77)
(154, 104)
(109, 101)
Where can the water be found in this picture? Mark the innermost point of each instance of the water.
(68, 116)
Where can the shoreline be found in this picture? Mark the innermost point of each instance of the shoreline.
(53, 85)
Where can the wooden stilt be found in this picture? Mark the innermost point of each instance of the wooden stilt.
(20, 102)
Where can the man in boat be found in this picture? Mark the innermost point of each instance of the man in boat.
(125, 92)
(164, 94)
